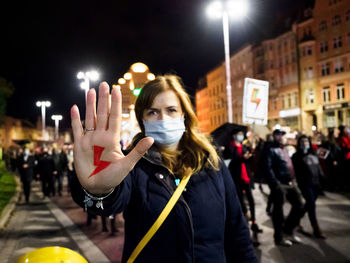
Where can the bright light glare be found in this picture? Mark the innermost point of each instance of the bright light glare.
(278, 126)
(127, 75)
(56, 117)
(214, 10)
(83, 85)
(121, 81)
(150, 76)
(94, 75)
(313, 128)
(237, 8)
(47, 103)
(80, 75)
(38, 103)
(139, 67)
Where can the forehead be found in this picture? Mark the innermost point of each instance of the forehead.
(166, 99)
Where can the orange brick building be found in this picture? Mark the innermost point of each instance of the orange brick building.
(324, 48)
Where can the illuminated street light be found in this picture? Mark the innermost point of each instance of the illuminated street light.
(87, 76)
(234, 9)
(150, 76)
(43, 105)
(139, 67)
(56, 118)
(121, 81)
(127, 76)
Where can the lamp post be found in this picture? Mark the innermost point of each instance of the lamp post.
(57, 119)
(87, 76)
(234, 9)
(43, 105)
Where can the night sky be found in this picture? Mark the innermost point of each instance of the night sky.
(45, 44)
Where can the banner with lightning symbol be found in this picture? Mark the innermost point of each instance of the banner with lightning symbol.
(255, 101)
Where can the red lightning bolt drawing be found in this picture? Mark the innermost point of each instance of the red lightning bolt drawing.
(255, 98)
(100, 165)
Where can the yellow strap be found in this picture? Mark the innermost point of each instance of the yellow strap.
(163, 215)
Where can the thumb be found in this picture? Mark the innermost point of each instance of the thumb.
(140, 149)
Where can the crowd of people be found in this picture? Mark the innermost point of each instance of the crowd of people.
(49, 166)
(297, 173)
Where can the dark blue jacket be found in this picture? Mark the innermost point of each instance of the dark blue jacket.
(206, 224)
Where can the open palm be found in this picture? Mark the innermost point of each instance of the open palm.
(103, 132)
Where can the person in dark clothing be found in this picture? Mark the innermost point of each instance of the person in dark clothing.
(308, 173)
(206, 223)
(26, 164)
(46, 168)
(240, 173)
(61, 162)
(329, 154)
(280, 178)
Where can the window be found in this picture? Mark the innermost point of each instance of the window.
(271, 46)
(287, 60)
(340, 91)
(283, 104)
(271, 64)
(307, 51)
(294, 57)
(296, 99)
(348, 38)
(289, 100)
(280, 62)
(337, 42)
(311, 96)
(272, 82)
(274, 103)
(322, 26)
(336, 20)
(323, 46)
(338, 66)
(347, 16)
(325, 69)
(326, 91)
(310, 73)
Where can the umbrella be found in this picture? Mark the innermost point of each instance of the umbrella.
(223, 134)
(21, 142)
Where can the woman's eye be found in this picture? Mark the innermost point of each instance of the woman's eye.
(172, 110)
(152, 112)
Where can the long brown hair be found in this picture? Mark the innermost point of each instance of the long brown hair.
(195, 148)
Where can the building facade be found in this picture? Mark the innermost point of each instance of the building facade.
(308, 69)
(324, 49)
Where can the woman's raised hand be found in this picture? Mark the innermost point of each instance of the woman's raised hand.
(99, 162)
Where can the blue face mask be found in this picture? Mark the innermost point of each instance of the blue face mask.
(240, 138)
(165, 132)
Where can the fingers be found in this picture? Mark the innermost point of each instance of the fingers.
(102, 108)
(116, 111)
(140, 149)
(90, 114)
(76, 123)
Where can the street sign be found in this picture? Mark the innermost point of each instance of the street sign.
(255, 101)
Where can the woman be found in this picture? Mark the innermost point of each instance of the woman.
(308, 172)
(206, 224)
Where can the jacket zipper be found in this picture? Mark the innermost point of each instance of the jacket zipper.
(181, 199)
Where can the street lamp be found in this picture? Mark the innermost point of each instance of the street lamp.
(87, 76)
(43, 105)
(234, 9)
(57, 119)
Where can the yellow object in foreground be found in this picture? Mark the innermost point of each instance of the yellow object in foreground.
(52, 255)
